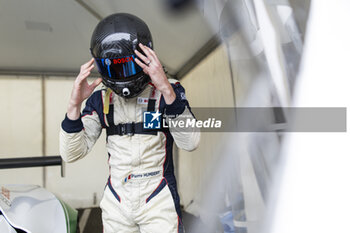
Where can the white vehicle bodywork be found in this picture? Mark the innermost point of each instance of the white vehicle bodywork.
(32, 209)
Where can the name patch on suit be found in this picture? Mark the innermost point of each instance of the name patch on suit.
(141, 100)
(141, 176)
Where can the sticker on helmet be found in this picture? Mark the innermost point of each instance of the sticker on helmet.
(122, 60)
(108, 62)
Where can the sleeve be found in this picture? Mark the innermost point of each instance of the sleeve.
(77, 137)
(186, 137)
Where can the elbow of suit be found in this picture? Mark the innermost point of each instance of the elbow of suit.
(69, 157)
(193, 146)
(193, 143)
(190, 148)
(66, 158)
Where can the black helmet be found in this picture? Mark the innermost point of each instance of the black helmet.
(112, 45)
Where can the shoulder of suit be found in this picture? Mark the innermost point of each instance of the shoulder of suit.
(95, 94)
(101, 92)
(98, 95)
(173, 81)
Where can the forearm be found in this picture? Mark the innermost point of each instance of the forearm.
(168, 93)
(186, 138)
(73, 111)
(178, 110)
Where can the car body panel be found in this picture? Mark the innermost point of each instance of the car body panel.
(35, 210)
(5, 226)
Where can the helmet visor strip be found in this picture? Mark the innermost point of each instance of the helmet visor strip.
(118, 68)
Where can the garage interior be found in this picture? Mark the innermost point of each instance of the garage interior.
(227, 54)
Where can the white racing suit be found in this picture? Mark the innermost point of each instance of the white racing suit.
(141, 193)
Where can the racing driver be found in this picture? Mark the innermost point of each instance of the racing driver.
(141, 193)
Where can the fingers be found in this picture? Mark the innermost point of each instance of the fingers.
(85, 73)
(142, 65)
(154, 55)
(150, 61)
(87, 64)
(85, 70)
(149, 52)
(142, 57)
(96, 83)
(88, 69)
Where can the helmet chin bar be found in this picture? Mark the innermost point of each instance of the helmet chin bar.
(128, 89)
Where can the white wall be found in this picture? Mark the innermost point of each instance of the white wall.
(21, 136)
(209, 84)
(21, 126)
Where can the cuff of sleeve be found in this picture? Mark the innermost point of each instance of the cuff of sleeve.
(175, 108)
(72, 126)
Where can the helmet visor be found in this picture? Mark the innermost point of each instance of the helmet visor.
(118, 68)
